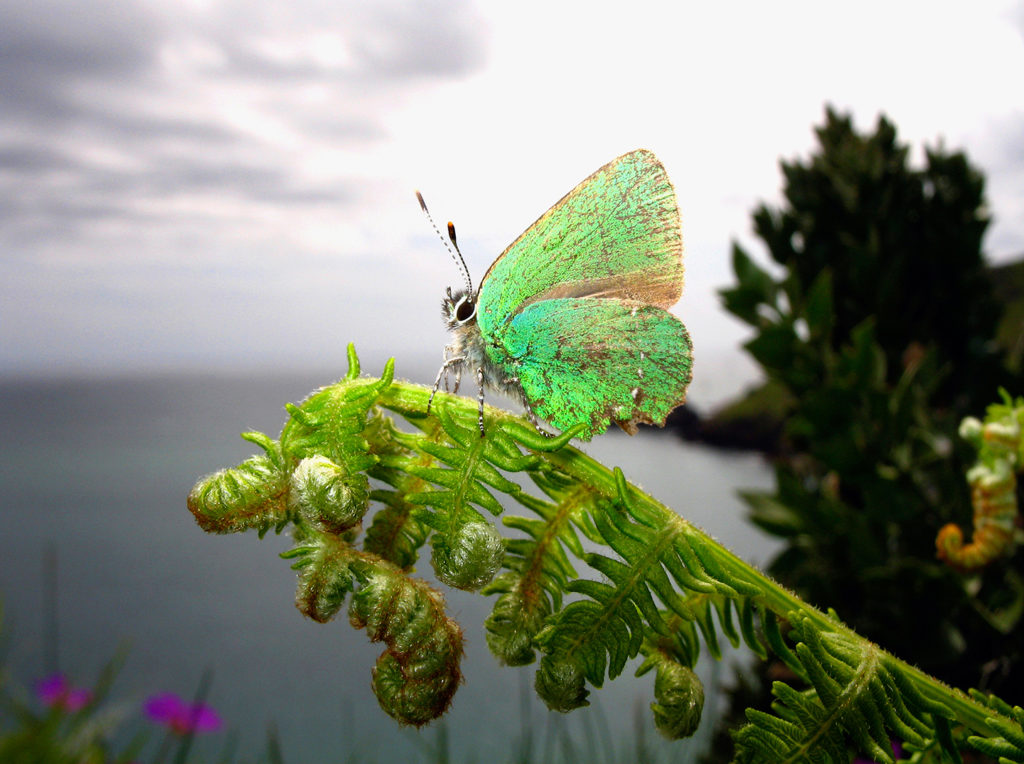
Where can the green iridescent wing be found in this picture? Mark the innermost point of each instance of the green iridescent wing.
(616, 235)
(598, 361)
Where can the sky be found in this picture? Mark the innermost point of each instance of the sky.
(228, 185)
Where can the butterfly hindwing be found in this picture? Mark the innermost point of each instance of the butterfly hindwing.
(597, 361)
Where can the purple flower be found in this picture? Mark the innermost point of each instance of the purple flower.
(180, 717)
(55, 692)
(897, 752)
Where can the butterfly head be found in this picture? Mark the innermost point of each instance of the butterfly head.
(458, 308)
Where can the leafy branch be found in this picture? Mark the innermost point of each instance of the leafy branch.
(664, 589)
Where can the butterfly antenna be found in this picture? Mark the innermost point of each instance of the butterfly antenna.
(465, 270)
(456, 254)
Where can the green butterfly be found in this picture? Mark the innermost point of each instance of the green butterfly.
(572, 318)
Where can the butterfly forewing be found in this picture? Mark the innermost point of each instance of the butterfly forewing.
(616, 235)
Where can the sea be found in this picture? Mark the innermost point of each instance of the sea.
(98, 553)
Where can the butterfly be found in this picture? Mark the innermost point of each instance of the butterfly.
(572, 318)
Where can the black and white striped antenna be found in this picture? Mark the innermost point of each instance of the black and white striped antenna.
(453, 248)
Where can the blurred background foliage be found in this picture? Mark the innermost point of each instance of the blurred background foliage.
(880, 329)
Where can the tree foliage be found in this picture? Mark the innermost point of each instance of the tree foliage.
(863, 235)
(880, 332)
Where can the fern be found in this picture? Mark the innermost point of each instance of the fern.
(664, 590)
(993, 480)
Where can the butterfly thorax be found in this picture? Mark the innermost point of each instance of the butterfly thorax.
(467, 351)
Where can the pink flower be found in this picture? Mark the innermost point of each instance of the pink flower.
(180, 717)
(55, 692)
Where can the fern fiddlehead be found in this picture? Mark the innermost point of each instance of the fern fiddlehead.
(993, 480)
(662, 588)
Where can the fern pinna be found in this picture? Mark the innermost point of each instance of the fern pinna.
(663, 589)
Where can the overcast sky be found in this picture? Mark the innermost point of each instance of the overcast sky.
(196, 184)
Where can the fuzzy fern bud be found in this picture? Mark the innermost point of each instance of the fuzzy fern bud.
(471, 559)
(993, 484)
(679, 700)
(252, 495)
(514, 622)
(328, 495)
(322, 561)
(561, 685)
(415, 678)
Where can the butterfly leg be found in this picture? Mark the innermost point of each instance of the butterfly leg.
(536, 422)
(443, 371)
(480, 399)
(445, 368)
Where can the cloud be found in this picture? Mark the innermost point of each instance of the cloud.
(358, 43)
(191, 180)
(1003, 153)
(125, 110)
(1016, 16)
(74, 38)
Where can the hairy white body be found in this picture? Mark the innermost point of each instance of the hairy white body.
(467, 352)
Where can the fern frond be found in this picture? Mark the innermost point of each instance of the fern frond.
(1008, 742)
(678, 692)
(539, 569)
(646, 581)
(395, 533)
(853, 696)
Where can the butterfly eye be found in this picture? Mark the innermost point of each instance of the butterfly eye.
(465, 310)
